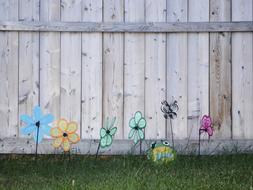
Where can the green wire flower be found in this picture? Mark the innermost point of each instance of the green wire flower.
(107, 133)
(137, 124)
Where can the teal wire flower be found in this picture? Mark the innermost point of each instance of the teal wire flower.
(107, 133)
(37, 125)
(137, 124)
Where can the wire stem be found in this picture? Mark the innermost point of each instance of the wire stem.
(98, 150)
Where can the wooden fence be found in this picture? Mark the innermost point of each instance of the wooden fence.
(85, 60)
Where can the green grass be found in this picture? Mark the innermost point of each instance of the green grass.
(126, 172)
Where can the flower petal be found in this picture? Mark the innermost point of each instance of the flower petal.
(40, 135)
(73, 137)
(103, 141)
(27, 119)
(45, 129)
(136, 138)
(57, 142)
(65, 144)
(113, 131)
(72, 127)
(137, 116)
(142, 123)
(102, 132)
(140, 134)
(56, 132)
(28, 130)
(132, 123)
(109, 140)
(112, 123)
(46, 119)
(131, 133)
(37, 113)
(62, 124)
(210, 131)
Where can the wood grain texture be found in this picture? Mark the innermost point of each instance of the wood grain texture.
(242, 73)
(155, 72)
(28, 59)
(198, 68)
(50, 60)
(137, 27)
(113, 75)
(134, 64)
(177, 68)
(220, 72)
(91, 73)
(8, 72)
(71, 64)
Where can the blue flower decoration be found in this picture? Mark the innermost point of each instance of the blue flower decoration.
(37, 122)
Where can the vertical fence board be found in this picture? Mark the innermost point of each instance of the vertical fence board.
(8, 72)
(71, 63)
(177, 67)
(155, 72)
(242, 73)
(133, 64)
(113, 66)
(198, 68)
(220, 71)
(50, 60)
(91, 72)
(28, 59)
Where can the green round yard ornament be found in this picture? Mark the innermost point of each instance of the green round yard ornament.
(161, 152)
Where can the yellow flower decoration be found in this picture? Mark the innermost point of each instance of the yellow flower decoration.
(64, 134)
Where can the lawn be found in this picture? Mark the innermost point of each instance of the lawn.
(126, 172)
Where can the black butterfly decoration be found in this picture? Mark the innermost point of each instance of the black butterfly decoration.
(169, 110)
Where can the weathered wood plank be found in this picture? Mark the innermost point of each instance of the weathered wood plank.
(177, 68)
(91, 73)
(242, 73)
(28, 59)
(71, 64)
(155, 72)
(220, 71)
(134, 64)
(127, 26)
(8, 72)
(198, 68)
(50, 60)
(113, 66)
(121, 147)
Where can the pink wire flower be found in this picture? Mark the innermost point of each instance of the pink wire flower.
(206, 125)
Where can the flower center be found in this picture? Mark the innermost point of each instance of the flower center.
(136, 127)
(37, 124)
(65, 135)
(108, 131)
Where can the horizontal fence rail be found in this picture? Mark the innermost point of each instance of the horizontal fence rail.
(151, 27)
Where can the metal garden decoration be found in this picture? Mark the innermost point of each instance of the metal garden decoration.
(206, 127)
(161, 152)
(64, 134)
(106, 134)
(37, 125)
(137, 125)
(170, 112)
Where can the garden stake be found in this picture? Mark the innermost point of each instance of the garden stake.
(37, 138)
(172, 137)
(98, 150)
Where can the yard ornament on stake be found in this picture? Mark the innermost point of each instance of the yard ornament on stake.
(106, 134)
(206, 127)
(161, 152)
(64, 134)
(137, 125)
(37, 125)
(170, 112)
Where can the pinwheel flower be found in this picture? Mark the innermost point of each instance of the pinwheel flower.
(37, 125)
(107, 133)
(64, 134)
(206, 125)
(137, 124)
